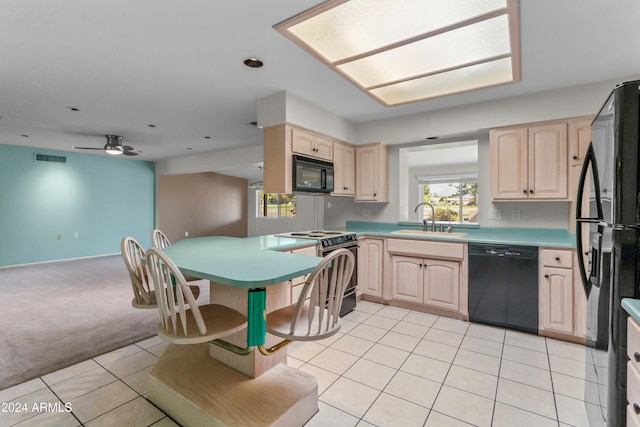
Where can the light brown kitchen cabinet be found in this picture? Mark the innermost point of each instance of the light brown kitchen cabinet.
(297, 282)
(372, 173)
(312, 145)
(370, 262)
(633, 372)
(344, 165)
(529, 163)
(428, 273)
(579, 139)
(280, 142)
(434, 283)
(562, 303)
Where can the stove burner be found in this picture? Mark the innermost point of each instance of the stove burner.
(300, 234)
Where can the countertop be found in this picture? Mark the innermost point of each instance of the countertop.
(632, 306)
(251, 262)
(546, 237)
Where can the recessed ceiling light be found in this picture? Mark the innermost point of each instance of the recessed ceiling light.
(253, 63)
(73, 109)
(400, 54)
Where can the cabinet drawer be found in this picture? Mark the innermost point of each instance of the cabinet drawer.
(633, 389)
(633, 419)
(557, 258)
(308, 250)
(428, 249)
(633, 342)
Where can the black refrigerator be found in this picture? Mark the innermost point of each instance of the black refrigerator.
(607, 217)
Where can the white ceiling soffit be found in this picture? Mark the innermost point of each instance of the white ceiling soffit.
(406, 51)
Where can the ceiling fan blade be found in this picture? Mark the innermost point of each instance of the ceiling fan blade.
(129, 153)
(88, 148)
(127, 147)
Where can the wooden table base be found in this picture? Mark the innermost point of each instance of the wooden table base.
(196, 390)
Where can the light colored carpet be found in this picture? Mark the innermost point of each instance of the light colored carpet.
(53, 315)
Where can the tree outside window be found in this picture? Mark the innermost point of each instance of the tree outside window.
(454, 200)
(274, 205)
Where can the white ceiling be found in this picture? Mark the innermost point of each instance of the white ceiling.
(178, 65)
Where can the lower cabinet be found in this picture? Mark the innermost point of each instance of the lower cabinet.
(633, 372)
(429, 273)
(432, 282)
(297, 283)
(370, 260)
(561, 297)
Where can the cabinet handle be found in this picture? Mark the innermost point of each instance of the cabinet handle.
(558, 258)
(524, 191)
(575, 157)
(636, 408)
(531, 191)
(546, 276)
(636, 356)
(374, 194)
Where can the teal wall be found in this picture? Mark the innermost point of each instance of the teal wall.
(103, 199)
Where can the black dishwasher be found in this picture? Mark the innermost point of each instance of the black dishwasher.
(503, 286)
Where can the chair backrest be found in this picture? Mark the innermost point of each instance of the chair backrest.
(172, 294)
(132, 253)
(325, 288)
(159, 240)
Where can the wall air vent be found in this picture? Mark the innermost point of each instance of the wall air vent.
(50, 158)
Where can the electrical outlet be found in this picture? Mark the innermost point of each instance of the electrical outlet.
(76, 235)
(515, 214)
(366, 212)
(186, 234)
(495, 214)
(59, 236)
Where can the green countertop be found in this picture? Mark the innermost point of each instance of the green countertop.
(252, 262)
(632, 306)
(508, 236)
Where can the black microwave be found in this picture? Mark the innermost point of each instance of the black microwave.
(311, 175)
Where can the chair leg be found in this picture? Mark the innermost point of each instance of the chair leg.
(270, 351)
(232, 347)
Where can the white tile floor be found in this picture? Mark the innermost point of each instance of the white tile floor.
(386, 367)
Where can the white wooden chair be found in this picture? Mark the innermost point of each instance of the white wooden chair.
(143, 294)
(159, 240)
(316, 314)
(181, 325)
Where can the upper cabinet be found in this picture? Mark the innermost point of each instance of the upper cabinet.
(280, 143)
(372, 173)
(344, 169)
(309, 144)
(579, 139)
(529, 163)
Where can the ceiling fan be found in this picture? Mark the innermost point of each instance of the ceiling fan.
(113, 146)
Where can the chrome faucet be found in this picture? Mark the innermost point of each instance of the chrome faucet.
(433, 217)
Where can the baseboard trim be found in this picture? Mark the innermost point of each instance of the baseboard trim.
(57, 260)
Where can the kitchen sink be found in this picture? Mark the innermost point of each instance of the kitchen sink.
(429, 233)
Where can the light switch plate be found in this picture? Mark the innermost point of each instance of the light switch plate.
(495, 214)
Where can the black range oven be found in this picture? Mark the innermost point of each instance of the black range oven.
(328, 241)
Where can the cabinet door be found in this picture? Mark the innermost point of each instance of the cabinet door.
(442, 284)
(556, 300)
(407, 279)
(343, 164)
(302, 143)
(548, 161)
(579, 139)
(508, 164)
(370, 259)
(366, 178)
(323, 148)
(298, 282)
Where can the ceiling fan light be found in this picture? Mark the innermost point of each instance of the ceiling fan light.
(114, 151)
